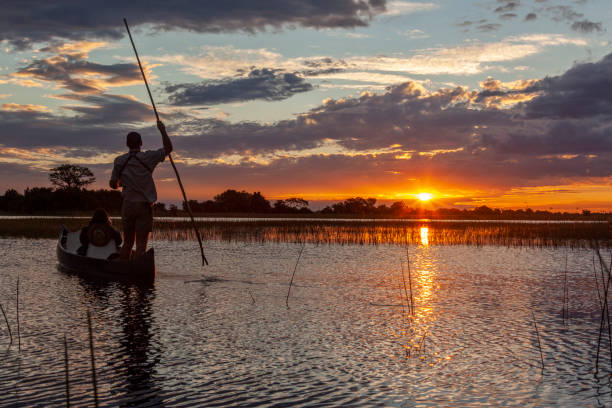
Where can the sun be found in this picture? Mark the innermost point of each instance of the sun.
(424, 196)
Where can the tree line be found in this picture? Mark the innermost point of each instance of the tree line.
(70, 195)
(46, 200)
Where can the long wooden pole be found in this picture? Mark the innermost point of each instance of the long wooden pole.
(93, 360)
(178, 177)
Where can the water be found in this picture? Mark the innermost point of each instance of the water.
(223, 336)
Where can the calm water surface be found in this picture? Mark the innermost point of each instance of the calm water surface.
(223, 336)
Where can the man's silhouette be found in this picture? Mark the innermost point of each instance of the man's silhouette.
(134, 172)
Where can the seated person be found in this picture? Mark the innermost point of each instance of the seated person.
(99, 232)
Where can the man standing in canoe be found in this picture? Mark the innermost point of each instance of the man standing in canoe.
(134, 172)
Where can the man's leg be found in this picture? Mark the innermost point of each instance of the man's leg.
(129, 235)
(129, 230)
(144, 225)
(142, 239)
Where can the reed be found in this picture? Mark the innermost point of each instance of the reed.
(66, 368)
(405, 288)
(596, 281)
(18, 326)
(7, 324)
(343, 231)
(538, 337)
(412, 305)
(93, 360)
(565, 294)
(605, 313)
(293, 275)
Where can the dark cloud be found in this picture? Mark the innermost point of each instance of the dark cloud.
(322, 66)
(508, 16)
(25, 22)
(506, 7)
(586, 26)
(564, 13)
(98, 121)
(315, 72)
(265, 84)
(564, 131)
(488, 27)
(584, 91)
(75, 73)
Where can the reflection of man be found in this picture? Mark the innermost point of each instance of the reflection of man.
(134, 172)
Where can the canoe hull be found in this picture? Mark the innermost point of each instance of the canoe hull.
(141, 269)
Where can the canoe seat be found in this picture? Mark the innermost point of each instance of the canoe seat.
(73, 243)
(102, 252)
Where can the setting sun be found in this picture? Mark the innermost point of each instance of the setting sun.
(424, 196)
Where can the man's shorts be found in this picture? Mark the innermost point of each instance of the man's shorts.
(137, 216)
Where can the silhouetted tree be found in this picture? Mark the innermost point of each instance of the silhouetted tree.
(292, 205)
(39, 199)
(233, 201)
(357, 205)
(11, 201)
(259, 204)
(69, 176)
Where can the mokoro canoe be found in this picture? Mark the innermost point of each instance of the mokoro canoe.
(97, 265)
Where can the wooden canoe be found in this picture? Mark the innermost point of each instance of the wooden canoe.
(97, 265)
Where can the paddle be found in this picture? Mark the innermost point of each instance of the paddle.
(178, 177)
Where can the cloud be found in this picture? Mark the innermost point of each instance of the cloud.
(507, 7)
(568, 14)
(584, 91)
(75, 20)
(563, 13)
(586, 26)
(96, 121)
(469, 59)
(488, 27)
(264, 84)
(396, 8)
(415, 34)
(507, 16)
(503, 135)
(24, 107)
(508, 10)
(71, 70)
(531, 136)
(503, 94)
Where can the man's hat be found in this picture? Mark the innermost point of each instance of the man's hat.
(134, 140)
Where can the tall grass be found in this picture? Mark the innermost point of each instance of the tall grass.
(374, 232)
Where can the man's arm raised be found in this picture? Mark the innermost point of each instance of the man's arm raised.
(165, 138)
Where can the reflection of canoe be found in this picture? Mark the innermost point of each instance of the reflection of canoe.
(96, 264)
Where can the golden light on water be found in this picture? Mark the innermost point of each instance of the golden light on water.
(424, 236)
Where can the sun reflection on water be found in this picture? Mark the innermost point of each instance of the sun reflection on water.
(422, 273)
(424, 236)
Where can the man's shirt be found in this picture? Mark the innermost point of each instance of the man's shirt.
(136, 178)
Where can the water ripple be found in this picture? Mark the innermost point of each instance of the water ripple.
(223, 336)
